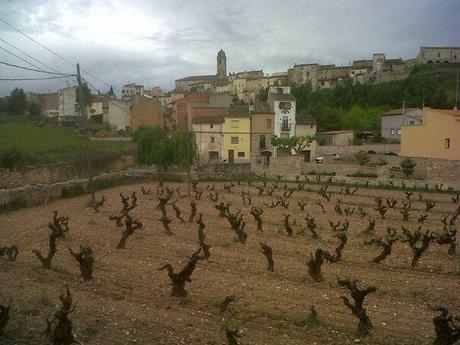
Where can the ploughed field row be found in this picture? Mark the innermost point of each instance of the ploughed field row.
(273, 264)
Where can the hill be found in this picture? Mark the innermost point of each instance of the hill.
(427, 85)
(51, 144)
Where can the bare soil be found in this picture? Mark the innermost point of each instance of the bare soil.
(128, 301)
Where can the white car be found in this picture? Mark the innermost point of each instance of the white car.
(336, 157)
(319, 159)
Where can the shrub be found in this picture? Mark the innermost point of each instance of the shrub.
(73, 191)
(371, 152)
(10, 158)
(408, 167)
(362, 158)
(361, 174)
(381, 162)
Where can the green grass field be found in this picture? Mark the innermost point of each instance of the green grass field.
(52, 144)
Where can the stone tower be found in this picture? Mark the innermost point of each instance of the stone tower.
(221, 65)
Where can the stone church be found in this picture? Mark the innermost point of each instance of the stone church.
(203, 83)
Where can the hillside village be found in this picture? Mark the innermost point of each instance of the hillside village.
(235, 115)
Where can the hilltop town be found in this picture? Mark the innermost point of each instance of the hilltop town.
(253, 104)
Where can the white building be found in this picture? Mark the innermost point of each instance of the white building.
(67, 104)
(118, 115)
(283, 104)
(130, 90)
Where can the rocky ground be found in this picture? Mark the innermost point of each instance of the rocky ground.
(128, 301)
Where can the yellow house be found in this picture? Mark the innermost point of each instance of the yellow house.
(237, 135)
(438, 136)
(306, 126)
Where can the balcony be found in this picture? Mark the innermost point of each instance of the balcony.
(285, 128)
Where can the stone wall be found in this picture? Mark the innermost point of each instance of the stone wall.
(339, 169)
(429, 171)
(29, 195)
(48, 174)
(347, 152)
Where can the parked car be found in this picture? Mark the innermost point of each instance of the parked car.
(319, 159)
(336, 157)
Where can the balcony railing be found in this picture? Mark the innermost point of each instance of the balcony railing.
(285, 128)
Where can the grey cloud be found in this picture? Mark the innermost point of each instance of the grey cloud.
(259, 34)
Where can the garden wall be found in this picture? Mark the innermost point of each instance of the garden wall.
(348, 151)
(49, 174)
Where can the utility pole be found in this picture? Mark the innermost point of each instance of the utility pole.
(403, 112)
(84, 121)
(456, 94)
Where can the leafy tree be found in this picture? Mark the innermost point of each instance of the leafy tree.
(35, 110)
(153, 146)
(296, 143)
(362, 158)
(262, 95)
(3, 105)
(17, 103)
(83, 98)
(408, 167)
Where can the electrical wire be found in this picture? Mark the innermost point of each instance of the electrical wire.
(51, 51)
(29, 56)
(29, 63)
(37, 70)
(14, 79)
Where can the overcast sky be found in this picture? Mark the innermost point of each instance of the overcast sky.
(154, 42)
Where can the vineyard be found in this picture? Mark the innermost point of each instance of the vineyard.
(258, 262)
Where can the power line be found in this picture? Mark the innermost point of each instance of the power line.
(36, 70)
(14, 79)
(51, 51)
(29, 56)
(29, 63)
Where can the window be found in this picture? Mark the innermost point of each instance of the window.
(262, 142)
(439, 54)
(392, 131)
(240, 154)
(269, 123)
(285, 124)
(213, 155)
(235, 123)
(447, 143)
(212, 140)
(211, 126)
(234, 140)
(285, 107)
(399, 132)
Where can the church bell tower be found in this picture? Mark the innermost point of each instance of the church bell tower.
(221, 65)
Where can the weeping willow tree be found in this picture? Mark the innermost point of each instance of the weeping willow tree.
(155, 146)
(184, 151)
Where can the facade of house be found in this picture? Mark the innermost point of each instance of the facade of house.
(130, 90)
(306, 126)
(237, 135)
(438, 136)
(146, 111)
(49, 104)
(393, 120)
(117, 115)
(67, 106)
(438, 55)
(262, 125)
(338, 138)
(283, 104)
(182, 109)
(209, 138)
